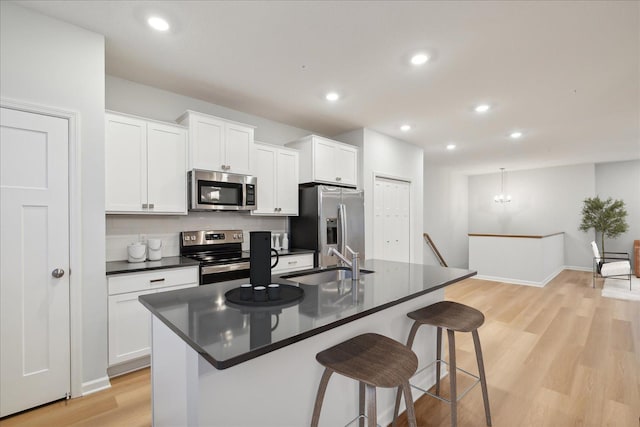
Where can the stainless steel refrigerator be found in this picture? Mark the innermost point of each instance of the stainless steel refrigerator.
(328, 217)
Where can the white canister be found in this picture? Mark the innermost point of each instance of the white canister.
(136, 252)
(154, 248)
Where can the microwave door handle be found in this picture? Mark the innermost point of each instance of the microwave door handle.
(342, 227)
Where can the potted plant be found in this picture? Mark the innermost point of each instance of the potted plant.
(607, 217)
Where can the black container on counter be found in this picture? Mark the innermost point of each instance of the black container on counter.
(260, 258)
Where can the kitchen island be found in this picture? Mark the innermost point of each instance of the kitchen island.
(215, 364)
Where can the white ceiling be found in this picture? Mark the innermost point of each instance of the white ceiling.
(565, 73)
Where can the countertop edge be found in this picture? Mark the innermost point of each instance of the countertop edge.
(112, 267)
(252, 354)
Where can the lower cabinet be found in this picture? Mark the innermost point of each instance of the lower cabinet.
(288, 263)
(129, 320)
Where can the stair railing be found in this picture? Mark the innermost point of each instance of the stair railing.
(434, 249)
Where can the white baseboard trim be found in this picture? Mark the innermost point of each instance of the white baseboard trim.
(576, 268)
(541, 284)
(130, 366)
(93, 386)
(509, 280)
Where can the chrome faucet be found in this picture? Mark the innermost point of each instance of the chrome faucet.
(354, 263)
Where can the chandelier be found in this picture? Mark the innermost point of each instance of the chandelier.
(502, 198)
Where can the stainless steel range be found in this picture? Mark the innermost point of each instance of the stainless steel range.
(219, 253)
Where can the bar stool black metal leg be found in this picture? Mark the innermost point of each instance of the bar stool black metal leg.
(483, 379)
(438, 358)
(322, 388)
(452, 378)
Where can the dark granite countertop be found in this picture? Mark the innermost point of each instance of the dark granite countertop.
(117, 267)
(226, 336)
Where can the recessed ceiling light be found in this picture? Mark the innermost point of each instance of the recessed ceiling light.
(419, 59)
(516, 135)
(158, 23)
(482, 108)
(405, 128)
(451, 146)
(332, 96)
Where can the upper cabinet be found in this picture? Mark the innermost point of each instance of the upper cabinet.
(217, 144)
(145, 166)
(277, 171)
(326, 161)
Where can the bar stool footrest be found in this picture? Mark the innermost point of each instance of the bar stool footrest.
(361, 416)
(448, 401)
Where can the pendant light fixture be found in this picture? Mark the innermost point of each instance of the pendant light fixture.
(502, 198)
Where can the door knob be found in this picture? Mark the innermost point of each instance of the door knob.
(57, 273)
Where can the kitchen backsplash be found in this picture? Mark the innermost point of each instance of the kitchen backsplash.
(122, 230)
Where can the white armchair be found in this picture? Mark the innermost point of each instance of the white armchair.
(615, 265)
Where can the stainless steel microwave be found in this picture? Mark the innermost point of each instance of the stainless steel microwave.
(221, 191)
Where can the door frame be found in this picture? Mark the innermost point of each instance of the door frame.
(376, 175)
(75, 231)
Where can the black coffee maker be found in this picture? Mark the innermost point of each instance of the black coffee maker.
(260, 258)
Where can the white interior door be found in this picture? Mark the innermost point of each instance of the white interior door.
(34, 222)
(391, 224)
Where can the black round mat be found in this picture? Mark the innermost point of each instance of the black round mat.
(288, 294)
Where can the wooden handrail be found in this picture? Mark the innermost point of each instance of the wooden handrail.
(434, 249)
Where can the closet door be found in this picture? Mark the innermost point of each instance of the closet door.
(392, 239)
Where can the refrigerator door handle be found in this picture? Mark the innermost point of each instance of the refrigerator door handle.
(342, 228)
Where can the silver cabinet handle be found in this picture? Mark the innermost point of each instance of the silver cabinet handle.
(57, 273)
(156, 280)
(293, 262)
(145, 206)
(151, 205)
(338, 178)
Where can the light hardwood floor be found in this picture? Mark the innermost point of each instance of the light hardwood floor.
(555, 356)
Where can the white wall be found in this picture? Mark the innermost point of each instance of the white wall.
(51, 63)
(446, 215)
(134, 98)
(544, 201)
(382, 154)
(621, 180)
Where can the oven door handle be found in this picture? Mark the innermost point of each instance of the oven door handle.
(208, 269)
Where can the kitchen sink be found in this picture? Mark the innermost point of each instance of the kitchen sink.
(323, 276)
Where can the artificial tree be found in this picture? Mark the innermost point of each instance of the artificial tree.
(607, 217)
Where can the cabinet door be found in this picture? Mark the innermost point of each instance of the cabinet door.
(238, 148)
(287, 182)
(125, 164)
(206, 142)
(323, 160)
(167, 169)
(129, 327)
(290, 263)
(346, 162)
(264, 169)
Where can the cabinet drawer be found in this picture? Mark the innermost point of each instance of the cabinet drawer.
(293, 263)
(156, 279)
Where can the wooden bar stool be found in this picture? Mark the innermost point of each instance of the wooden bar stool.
(454, 317)
(375, 361)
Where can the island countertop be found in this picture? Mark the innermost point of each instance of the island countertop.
(226, 336)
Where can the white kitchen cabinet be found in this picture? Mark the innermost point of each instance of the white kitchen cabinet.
(277, 171)
(129, 321)
(145, 166)
(217, 144)
(326, 161)
(288, 263)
